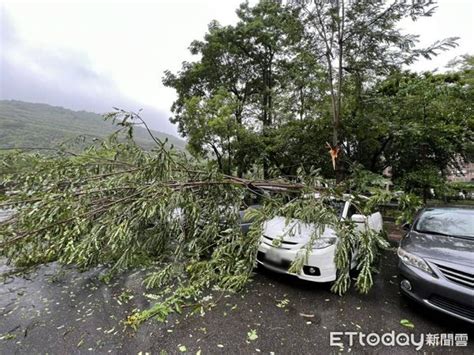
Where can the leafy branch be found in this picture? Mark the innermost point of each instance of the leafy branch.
(159, 209)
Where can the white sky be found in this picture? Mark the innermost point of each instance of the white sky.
(120, 49)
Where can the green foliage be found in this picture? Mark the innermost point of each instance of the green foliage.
(228, 96)
(123, 207)
(28, 125)
(365, 181)
(462, 186)
(355, 42)
(299, 144)
(408, 206)
(421, 128)
(267, 94)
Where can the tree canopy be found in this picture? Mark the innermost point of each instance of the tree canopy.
(314, 67)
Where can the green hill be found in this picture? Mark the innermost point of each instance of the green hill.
(24, 124)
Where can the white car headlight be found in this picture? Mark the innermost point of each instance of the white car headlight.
(323, 242)
(413, 260)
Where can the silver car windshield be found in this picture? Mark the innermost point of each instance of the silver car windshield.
(455, 222)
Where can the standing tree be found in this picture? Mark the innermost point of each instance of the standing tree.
(360, 40)
(424, 128)
(247, 62)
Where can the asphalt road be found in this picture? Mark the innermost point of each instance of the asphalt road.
(62, 311)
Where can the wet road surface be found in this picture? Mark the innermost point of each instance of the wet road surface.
(62, 311)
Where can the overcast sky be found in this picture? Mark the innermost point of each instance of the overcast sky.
(92, 55)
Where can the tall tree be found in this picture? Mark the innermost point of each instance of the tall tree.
(246, 61)
(220, 78)
(419, 125)
(361, 39)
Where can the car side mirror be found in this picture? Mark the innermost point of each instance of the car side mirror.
(358, 218)
(406, 226)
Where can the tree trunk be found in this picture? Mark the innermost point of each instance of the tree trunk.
(266, 107)
(218, 157)
(337, 118)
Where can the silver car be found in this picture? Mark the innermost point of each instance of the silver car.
(436, 261)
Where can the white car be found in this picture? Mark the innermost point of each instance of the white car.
(292, 238)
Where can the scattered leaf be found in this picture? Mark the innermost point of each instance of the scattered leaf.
(406, 323)
(252, 335)
(8, 337)
(283, 303)
(182, 348)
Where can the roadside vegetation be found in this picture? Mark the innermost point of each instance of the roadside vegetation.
(120, 206)
(44, 128)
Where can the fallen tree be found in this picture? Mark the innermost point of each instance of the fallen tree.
(122, 207)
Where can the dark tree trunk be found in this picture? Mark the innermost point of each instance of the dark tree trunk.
(218, 157)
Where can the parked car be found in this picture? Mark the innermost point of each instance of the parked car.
(295, 235)
(251, 200)
(436, 261)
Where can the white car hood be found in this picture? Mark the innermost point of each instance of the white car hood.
(294, 231)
